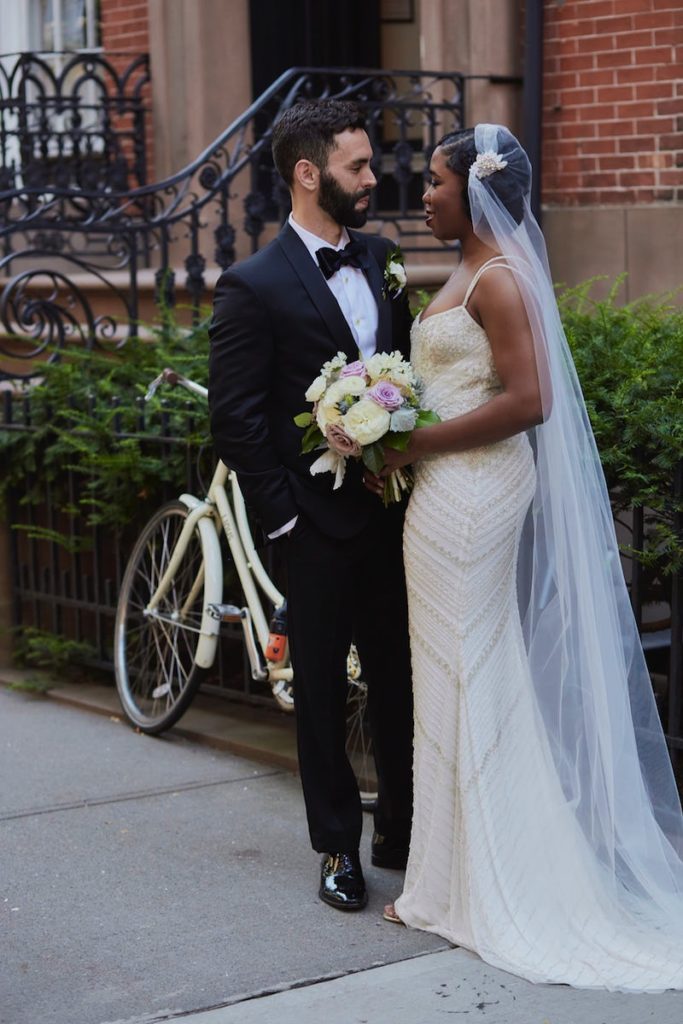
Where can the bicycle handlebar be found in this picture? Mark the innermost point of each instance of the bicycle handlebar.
(172, 377)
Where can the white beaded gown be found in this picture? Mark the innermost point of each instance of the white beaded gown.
(497, 861)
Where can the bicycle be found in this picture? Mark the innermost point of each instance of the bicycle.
(171, 608)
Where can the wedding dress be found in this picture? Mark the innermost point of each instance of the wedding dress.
(499, 861)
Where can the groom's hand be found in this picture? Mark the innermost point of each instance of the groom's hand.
(374, 484)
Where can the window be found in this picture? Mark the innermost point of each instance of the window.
(66, 25)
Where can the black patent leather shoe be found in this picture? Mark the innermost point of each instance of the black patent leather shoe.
(341, 881)
(389, 853)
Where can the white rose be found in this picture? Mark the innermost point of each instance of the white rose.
(345, 386)
(316, 389)
(326, 413)
(398, 272)
(366, 421)
(327, 407)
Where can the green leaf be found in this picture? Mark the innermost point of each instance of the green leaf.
(303, 419)
(398, 440)
(313, 438)
(373, 457)
(426, 417)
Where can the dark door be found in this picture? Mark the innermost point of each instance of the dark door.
(312, 33)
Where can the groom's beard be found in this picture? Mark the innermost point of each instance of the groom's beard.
(341, 205)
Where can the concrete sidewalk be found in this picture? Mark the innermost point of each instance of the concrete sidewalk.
(146, 880)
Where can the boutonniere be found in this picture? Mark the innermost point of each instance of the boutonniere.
(394, 273)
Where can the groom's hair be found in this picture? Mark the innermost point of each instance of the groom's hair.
(306, 132)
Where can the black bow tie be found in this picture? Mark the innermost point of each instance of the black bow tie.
(354, 254)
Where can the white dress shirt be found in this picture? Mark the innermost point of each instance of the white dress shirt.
(350, 288)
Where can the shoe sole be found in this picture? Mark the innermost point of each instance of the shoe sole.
(348, 907)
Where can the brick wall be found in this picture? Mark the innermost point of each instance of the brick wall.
(613, 102)
(124, 26)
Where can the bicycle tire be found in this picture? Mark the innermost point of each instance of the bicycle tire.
(358, 740)
(156, 674)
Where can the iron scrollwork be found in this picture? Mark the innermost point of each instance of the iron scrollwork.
(219, 207)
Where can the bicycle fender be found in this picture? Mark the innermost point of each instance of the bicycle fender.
(213, 581)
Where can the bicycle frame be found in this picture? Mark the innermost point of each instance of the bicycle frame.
(209, 516)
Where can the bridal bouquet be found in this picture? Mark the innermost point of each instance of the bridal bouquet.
(359, 409)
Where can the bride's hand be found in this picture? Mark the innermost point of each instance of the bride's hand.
(395, 460)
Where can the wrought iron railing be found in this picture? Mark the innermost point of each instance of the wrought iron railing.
(226, 203)
(72, 121)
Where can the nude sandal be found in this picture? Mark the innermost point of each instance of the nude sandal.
(391, 915)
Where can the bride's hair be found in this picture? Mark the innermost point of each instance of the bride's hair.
(510, 185)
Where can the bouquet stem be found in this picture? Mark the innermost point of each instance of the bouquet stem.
(398, 483)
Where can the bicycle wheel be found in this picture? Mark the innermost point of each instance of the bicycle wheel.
(156, 674)
(358, 741)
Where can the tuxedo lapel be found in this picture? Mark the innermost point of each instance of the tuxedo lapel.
(319, 293)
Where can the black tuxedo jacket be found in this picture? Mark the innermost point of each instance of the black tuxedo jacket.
(275, 323)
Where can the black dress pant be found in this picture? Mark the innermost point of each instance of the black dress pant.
(339, 591)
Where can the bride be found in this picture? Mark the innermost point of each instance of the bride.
(547, 833)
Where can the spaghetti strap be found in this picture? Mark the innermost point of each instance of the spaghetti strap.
(494, 261)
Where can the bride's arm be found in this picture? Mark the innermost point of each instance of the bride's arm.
(497, 304)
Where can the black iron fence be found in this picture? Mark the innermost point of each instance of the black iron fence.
(72, 121)
(226, 203)
(66, 573)
(67, 561)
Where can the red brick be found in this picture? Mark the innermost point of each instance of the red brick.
(653, 55)
(578, 131)
(598, 112)
(659, 161)
(671, 177)
(668, 36)
(670, 107)
(634, 6)
(566, 80)
(615, 128)
(633, 39)
(614, 25)
(656, 125)
(640, 74)
(556, 47)
(596, 77)
(595, 44)
(664, 73)
(637, 144)
(576, 97)
(655, 91)
(603, 8)
(643, 109)
(576, 62)
(663, 194)
(614, 93)
(616, 163)
(636, 179)
(671, 141)
(654, 19)
(620, 59)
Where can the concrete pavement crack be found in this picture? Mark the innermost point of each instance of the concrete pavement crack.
(117, 798)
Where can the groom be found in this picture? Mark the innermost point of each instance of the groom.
(318, 289)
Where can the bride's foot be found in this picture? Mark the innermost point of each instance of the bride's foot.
(391, 915)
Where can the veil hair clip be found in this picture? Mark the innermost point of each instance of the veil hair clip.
(487, 163)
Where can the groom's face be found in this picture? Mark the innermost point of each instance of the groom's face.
(347, 181)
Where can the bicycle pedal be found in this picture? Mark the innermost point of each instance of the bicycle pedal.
(226, 612)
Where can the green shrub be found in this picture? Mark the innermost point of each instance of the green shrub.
(629, 360)
(630, 363)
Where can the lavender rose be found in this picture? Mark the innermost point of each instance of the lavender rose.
(386, 394)
(356, 369)
(340, 442)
